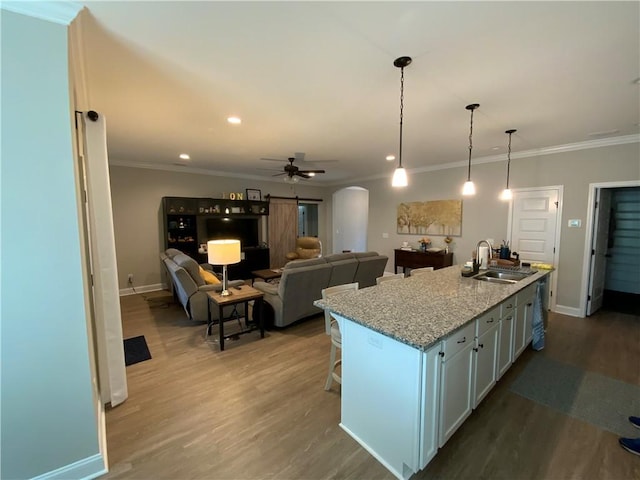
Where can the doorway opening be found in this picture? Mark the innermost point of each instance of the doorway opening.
(611, 278)
(307, 219)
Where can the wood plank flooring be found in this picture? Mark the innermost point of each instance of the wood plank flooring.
(258, 410)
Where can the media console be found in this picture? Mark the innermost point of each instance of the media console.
(191, 222)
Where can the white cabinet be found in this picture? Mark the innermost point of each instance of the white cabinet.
(456, 380)
(505, 338)
(430, 404)
(485, 351)
(523, 331)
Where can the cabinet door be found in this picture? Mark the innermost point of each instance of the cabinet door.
(485, 364)
(528, 316)
(505, 345)
(430, 404)
(455, 391)
(519, 333)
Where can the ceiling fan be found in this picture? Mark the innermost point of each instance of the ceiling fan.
(292, 171)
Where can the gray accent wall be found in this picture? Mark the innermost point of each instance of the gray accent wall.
(485, 216)
(137, 212)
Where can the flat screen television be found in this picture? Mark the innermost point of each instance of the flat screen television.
(243, 229)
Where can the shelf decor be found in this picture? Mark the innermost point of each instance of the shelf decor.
(436, 217)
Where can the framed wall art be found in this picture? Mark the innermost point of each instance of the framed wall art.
(435, 217)
(253, 194)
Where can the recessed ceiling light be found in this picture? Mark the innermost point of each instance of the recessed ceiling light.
(234, 120)
(185, 156)
(390, 158)
(495, 148)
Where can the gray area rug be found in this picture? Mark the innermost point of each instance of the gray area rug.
(591, 397)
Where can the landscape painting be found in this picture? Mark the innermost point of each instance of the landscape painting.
(435, 217)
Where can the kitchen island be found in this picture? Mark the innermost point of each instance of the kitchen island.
(418, 354)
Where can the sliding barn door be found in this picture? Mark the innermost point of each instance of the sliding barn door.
(283, 229)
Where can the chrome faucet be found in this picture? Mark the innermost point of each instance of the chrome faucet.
(478, 252)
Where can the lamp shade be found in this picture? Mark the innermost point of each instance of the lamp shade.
(223, 252)
(399, 178)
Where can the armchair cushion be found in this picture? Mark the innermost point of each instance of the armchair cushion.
(306, 247)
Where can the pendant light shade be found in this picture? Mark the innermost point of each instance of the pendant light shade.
(399, 178)
(469, 188)
(506, 193)
(400, 175)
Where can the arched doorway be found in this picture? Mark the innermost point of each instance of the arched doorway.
(350, 219)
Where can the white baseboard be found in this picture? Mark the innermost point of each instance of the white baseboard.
(87, 468)
(142, 289)
(571, 311)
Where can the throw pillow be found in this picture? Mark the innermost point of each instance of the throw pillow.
(208, 277)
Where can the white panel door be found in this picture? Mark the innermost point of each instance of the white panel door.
(534, 217)
(599, 250)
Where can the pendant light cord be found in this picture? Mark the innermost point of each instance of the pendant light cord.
(508, 159)
(401, 115)
(470, 146)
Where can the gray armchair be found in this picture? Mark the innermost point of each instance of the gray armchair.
(191, 290)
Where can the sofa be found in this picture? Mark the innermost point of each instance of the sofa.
(187, 282)
(302, 282)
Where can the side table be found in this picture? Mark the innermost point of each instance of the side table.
(242, 294)
(266, 274)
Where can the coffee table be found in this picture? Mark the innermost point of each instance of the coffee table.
(267, 274)
(242, 294)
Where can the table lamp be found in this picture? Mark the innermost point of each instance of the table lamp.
(223, 252)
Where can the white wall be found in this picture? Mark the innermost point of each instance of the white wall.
(48, 417)
(350, 219)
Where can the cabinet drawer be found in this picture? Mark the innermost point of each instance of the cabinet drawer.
(508, 306)
(526, 295)
(488, 320)
(458, 340)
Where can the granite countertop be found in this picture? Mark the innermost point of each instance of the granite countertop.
(423, 309)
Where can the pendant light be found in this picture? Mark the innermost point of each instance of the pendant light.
(469, 188)
(400, 174)
(506, 193)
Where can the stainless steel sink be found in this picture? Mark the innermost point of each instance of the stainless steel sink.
(501, 277)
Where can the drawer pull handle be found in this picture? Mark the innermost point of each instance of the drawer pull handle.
(481, 345)
(510, 305)
(529, 304)
(490, 321)
(464, 339)
(509, 318)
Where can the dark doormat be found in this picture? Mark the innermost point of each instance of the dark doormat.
(588, 396)
(135, 350)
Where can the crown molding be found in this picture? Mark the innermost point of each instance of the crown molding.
(187, 169)
(536, 152)
(57, 12)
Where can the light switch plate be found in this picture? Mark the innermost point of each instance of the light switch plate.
(575, 223)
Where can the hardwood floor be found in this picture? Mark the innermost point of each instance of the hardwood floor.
(258, 409)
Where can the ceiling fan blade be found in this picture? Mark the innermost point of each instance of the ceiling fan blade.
(312, 171)
(321, 161)
(274, 159)
(302, 174)
(278, 174)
